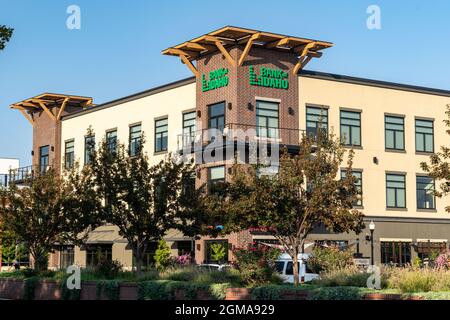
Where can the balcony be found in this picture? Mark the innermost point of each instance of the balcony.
(24, 175)
(233, 132)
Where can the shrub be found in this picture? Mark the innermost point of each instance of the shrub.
(327, 259)
(111, 289)
(275, 292)
(218, 252)
(192, 274)
(348, 277)
(108, 269)
(443, 261)
(166, 290)
(256, 264)
(163, 260)
(29, 286)
(422, 280)
(336, 293)
(184, 259)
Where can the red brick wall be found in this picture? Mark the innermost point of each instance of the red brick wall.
(240, 93)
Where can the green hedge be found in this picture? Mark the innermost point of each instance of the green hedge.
(273, 292)
(166, 289)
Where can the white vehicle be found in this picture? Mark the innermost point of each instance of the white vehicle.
(285, 267)
(214, 267)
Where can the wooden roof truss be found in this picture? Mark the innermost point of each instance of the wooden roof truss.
(50, 103)
(219, 40)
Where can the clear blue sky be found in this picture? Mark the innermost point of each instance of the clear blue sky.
(118, 49)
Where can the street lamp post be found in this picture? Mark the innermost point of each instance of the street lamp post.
(372, 229)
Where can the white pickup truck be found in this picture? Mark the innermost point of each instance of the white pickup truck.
(285, 267)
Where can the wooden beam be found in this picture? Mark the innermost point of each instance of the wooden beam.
(222, 49)
(27, 116)
(187, 62)
(23, 111)
(63, 106)
(301, 64)
(303, 60)
(197, 46)
(277, 43)
(47, 111)
(247, 48)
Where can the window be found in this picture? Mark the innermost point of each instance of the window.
(111, 141)
(97, 253)
(395, 190)
(394, 132)
(395, 253)
(89, 148)
(267, 119)
(69, 154)
(188, 128)
(161, 134)
(425, 193)
(316, 121)
(216, 176)
(358, 184)
(424, 136)
(185, 247)
(135, 140)
(66, 256)
(43, 158)
(339, 244)
(216, 116)
(351, 128)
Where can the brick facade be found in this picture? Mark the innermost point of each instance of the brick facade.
(240, 99)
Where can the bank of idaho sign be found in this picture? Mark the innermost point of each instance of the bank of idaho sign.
(217, 79)
(269, 78)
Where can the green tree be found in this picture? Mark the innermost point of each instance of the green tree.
(5, 35)
(145, 201)
(304, 195)
(51, 209)
(218, 252)
(438, 166)
(162, 255)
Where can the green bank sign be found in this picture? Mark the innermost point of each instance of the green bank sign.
(269, 78)
(217, 79)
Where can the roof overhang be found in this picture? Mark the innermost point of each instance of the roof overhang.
(52, 104)
(220, 39)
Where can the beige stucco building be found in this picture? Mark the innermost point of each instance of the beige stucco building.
(392, 128)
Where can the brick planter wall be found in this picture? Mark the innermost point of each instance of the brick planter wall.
(50, 290)
(128, 291)
(294, 295)
(12, 289)
(47, 290)
(88, 290)
(238, 294)
(382, 296)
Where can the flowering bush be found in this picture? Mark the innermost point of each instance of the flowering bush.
(184, 259)
(443, 261)
(256, 263)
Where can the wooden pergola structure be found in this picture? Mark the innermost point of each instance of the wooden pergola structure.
(225, 37)
(52, 104)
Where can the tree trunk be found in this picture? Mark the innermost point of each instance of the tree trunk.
(139, 264)
(295, 261)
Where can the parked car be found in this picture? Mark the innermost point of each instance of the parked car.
(285, 267)
(214, 267)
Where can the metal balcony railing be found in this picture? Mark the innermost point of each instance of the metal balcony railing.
(24, 174)
(232, 132)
